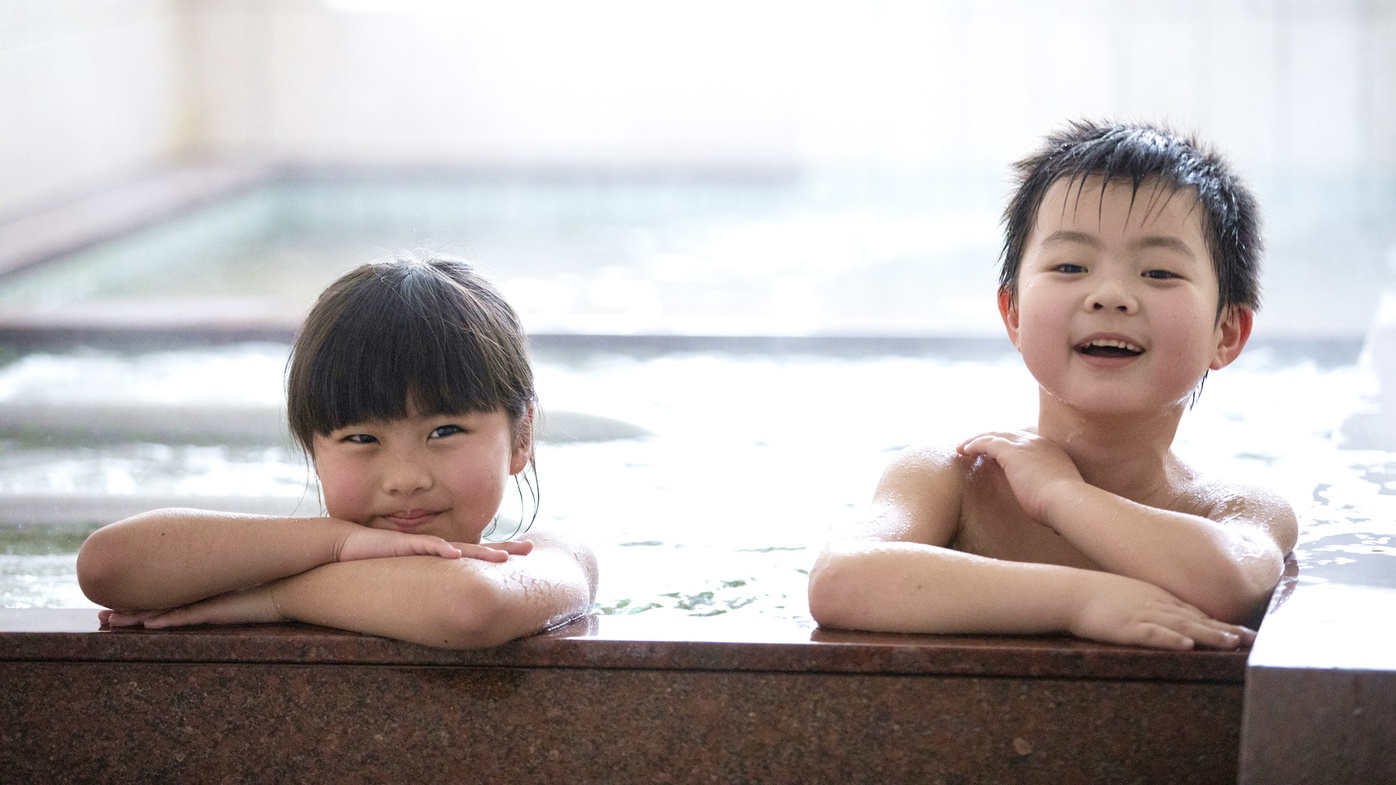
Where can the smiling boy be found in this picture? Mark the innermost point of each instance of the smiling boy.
(1129, 271)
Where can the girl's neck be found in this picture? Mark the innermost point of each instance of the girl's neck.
(1129, 454)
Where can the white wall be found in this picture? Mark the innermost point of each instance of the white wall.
(91, 89)
(1302, 83)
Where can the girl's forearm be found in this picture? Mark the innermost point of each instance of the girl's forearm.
(462, 603)
(169, 558)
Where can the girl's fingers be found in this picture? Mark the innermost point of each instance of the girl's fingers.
(483, 553)
(513, 547)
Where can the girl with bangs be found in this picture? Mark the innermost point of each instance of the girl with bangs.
(411, 392)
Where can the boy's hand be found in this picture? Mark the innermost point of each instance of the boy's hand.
(1117, 609)
(1035, 467)
(249, 606)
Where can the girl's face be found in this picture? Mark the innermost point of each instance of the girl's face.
(441, 474)
(1117, 299)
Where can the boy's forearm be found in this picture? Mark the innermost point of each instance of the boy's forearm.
(910, 587)
(1225, 570)
(169, 558)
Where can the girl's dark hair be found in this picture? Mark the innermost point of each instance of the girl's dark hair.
(1141, 154)
(424, 330)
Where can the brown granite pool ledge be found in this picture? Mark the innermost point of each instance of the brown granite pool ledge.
(606, 699)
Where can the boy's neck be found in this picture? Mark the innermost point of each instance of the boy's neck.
(1128, 455)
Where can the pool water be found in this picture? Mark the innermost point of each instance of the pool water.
(753, 458)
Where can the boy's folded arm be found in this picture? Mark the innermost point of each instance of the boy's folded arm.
(896, 573)
(1225, 566)
(170, 558)
(908, 587)
(464, 603)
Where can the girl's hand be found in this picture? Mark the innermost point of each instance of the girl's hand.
(1117, 609)
(366, 543)
(494, 551)
(248, 606)
(1034, 467)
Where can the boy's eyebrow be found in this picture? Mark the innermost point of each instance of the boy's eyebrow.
(1164, 242)
(1152, 241)
(1065, 236)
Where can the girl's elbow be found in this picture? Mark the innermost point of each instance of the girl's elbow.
(99, 571)
(477, 620)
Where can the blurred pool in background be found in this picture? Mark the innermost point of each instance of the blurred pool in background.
(752, 460)
(665, 304)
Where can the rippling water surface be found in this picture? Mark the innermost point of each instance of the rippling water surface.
(753, 458)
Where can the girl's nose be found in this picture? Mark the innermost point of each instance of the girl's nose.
(406, 477)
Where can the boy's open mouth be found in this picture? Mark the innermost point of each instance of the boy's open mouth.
(1110, 347)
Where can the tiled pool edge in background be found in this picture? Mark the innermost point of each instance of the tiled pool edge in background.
(606, 699)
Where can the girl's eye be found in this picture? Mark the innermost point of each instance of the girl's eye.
(1068, 267)
(1161, 275)
(446, 430)
(360, 438)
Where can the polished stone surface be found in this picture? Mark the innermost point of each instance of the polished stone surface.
(610, 699)
(623, 642)
(1320, 703)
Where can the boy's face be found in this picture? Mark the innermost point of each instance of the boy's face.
(1117, 298)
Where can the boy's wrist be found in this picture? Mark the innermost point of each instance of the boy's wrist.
(1061, 503)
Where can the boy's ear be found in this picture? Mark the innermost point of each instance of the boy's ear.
(1008, 309)
(1232, 334)
(523, 441)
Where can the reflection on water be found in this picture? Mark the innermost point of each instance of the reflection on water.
(754, 459)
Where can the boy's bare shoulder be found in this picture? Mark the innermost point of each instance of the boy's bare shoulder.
(919, 496)
(1241, 503)
(918, 465)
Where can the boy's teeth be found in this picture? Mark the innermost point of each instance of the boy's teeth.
(1115, 344)
(1111, 347)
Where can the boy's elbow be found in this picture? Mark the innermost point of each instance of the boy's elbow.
(1240, 596)
(833, 589)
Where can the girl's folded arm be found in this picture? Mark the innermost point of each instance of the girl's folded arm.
(463, 603)
(173, 557)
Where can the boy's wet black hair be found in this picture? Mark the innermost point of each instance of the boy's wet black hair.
(430, 331)
(1141, 154)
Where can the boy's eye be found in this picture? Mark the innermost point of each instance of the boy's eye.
(1159, 274)
(445, 430)
(1068, 267)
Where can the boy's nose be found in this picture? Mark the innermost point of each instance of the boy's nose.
(1111, 296)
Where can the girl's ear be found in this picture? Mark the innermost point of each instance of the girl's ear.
(1008, 309)
(523, 441)
(1232, 334)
